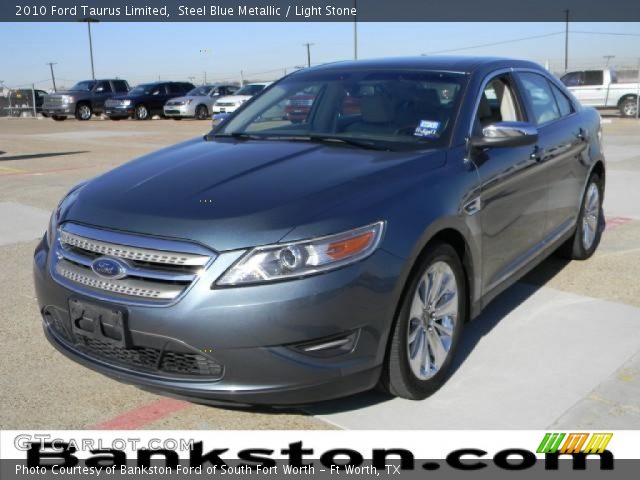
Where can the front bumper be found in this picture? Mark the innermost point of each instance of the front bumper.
(252, 332)
(224, 109)
(119, 111)
(179, 111)
(61, 111)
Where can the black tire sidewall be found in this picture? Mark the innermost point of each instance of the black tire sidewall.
(398, 378)
(201, 108)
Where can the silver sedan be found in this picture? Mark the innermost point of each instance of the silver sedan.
(198, 102)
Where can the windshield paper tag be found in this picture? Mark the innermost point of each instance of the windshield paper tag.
(427, 128)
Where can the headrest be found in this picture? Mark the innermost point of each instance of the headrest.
(376, 109)
(484, 109)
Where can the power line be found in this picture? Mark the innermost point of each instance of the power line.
(502, 42)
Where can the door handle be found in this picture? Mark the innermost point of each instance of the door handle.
(536, 154)
(582, 135)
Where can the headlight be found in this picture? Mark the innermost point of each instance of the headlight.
(307, 257)
(67, 99)
(126, 103)
(64, 205)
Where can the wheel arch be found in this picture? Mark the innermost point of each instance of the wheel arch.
(625, 97)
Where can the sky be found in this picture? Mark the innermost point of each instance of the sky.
(140, 52)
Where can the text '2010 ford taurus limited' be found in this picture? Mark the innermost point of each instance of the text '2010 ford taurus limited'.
(281, 262)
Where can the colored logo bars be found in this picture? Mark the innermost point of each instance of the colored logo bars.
(597, 443)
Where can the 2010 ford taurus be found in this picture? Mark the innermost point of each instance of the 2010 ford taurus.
(279, 262)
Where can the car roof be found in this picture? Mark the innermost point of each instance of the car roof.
(461, 64)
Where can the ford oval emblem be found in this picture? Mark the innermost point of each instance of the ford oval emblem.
(109, 268)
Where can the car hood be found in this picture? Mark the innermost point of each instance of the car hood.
(195, 98)
(67, 92)
(234, 98)
(231, 195)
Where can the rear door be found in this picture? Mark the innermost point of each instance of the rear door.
(101, 92)
(159, 95)
(514, 188)
(562, 141)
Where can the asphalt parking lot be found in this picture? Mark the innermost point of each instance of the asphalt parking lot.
(559, 349)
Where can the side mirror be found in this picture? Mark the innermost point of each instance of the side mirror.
(506, 134)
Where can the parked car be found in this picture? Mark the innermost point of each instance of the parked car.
(197, 102)
(83, 100)
(272, 262)
(601, 89)
(145, 100)
(231, 103)
(298, 107)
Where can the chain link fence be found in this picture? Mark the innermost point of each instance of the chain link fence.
(21, 102)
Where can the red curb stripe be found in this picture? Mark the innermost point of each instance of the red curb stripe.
(139, 417)
(614, 222)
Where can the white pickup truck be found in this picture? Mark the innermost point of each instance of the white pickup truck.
(601, 89)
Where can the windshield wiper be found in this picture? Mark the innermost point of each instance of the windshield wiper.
(356, 142)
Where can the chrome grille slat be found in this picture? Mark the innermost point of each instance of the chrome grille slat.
(132, 253)
(167, 276)
(136, 288)
(153, 271)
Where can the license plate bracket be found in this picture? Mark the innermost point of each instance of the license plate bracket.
(105, 323)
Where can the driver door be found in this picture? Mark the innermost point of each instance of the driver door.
(514, 190)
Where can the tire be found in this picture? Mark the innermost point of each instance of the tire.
(141, 112)
(83, 112)
(58, 118)
(202, 113)
(177, 118)
(628, 107)
(586, 238)
(411, 379)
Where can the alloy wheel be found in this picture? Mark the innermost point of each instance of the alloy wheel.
(590, 215)
(630, 109)
(85, 112)
(432, 318)
(141, 112)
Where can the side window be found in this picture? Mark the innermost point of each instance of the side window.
(174, 88)
(593, 77)
(158, 90)
(498, 103)
(573, 79)
(120, 86)
(540, 98)
(232, 89)
(564, 104)
(103, 87)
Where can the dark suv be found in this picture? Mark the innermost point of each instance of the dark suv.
(145, 100)
(83, 100)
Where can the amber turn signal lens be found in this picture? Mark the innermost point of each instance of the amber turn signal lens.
(346, 248)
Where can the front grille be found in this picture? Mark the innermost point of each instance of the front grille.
(155, 270)
(225, 104)
(152, 359)
(52, 101)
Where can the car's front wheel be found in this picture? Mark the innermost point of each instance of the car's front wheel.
(202, 113)
(428, 327)
(84, 112)
(141, 112)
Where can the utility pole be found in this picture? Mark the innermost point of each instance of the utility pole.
(205, 77)
(241, 78)
(355, 30)
(608, 58)
(53, 77)
(308, 45)
(89, 21)
(566, 40)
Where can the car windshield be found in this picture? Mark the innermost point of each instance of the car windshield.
(377, 109)
(200, 91)
(250, 90)
(85, 86)
(144, 89)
